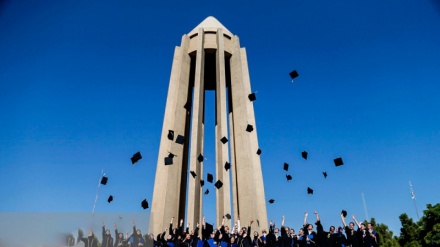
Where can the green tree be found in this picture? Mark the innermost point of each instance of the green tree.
(430, 226)
(409, 232)
(425, 232)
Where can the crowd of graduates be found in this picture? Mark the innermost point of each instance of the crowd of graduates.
(205, 235)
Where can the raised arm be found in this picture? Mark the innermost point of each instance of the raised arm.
(317, 216)
(355, 220)
(238, 223)
(282, 221)
(103, 230)
(343, 220)
(305, 218)
(134, 227)
(170, 230)
(116, 231)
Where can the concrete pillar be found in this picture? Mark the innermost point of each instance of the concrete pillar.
(167, 200)
(194, 192)
(223, 194)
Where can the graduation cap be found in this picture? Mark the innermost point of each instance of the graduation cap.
(144, 204)
(338, 161)
(344, 213)
(187, 106)
(252, 97)
(200, 158)
(259, 151)
(168, 160)
(227, 166)
(271, 201)
(304, 155)
(170, 135)
(228, 216)
(180, 139)
(224, 140)
(309, 190)
(104, 180)
(210, 177)
(325, 174)
(286, 167)
(193, 174)
(202, 182)
(249, 128)
(206, 191)
(218, 184)
(136, 157)
(208, 229)
(110, 199)
(293, 74)
(288, 177)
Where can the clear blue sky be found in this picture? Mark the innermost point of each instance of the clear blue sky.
(83, 86)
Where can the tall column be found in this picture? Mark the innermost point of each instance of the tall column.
(257, 173)
(243, 159)
(167, 200)
(194, 192)
(223, 194)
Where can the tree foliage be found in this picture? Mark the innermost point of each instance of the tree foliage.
(425, 232)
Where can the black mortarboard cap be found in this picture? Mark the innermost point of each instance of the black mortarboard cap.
(252, 97)
(200, 158)
(202, 182)
(249, 128)
(208, 229)
(344, 213)
(228, 216)
(304, 155)
(206, 191)
(293, 74)
(218, 184)
(338, 161)
(210, 177)
(144, 204)
(288, 177)
(104, 180)
(309, 190)
(171, 155)
(187, 106)
(286, 167)
(136, 157)
(271, 201)
(224, 140)
(170, 135)
(168, 160)
(110, 199)
(180, 139)
(325, 174)
(193, 174)
(259, 151)
(227, 166)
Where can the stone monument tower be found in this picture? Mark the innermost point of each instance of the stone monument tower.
(209, 58)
